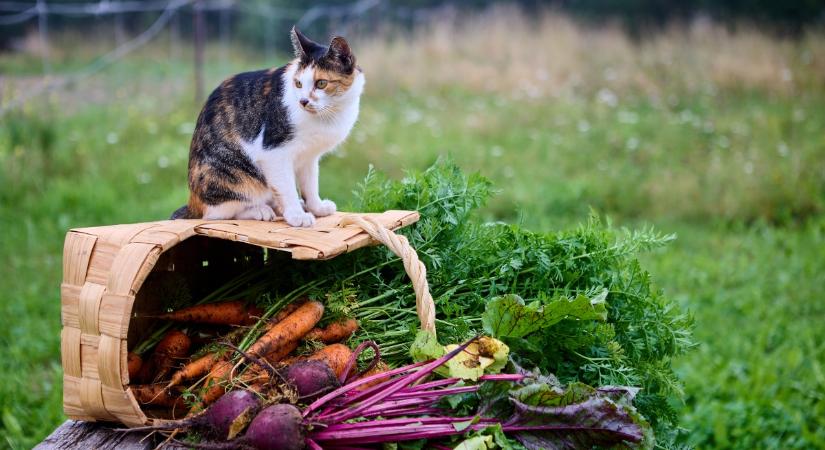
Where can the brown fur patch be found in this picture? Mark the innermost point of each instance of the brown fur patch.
(196, 206)
(337, 83)
(208, 182)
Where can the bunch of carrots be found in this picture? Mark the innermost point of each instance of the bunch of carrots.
(185, 373)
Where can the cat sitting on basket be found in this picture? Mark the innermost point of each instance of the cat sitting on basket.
(261, 134)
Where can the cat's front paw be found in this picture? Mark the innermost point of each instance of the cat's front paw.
(322, 208)
(299, 218)
(258, 212)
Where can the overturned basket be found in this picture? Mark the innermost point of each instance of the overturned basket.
(105, 272)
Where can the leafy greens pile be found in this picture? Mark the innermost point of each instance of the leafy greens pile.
(573, 303)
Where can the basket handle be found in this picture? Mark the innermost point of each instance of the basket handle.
(416, 270)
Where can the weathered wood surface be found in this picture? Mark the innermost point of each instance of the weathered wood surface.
(77, 435)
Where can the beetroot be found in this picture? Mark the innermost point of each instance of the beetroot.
(311, 379)
(277, 427)
(225, 419)
(230, 414)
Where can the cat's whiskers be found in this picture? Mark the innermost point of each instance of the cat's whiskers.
(327, 113)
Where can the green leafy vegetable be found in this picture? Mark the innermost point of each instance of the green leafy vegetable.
(476, 443)
(425, 347)
(485, 355)
(509, 316)
(576, 416)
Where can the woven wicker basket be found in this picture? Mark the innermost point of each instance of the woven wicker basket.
(108, 271)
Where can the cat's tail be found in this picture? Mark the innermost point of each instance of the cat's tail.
(183, 213)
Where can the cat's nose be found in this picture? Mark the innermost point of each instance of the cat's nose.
(304, 101)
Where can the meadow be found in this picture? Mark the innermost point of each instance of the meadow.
(714, 133)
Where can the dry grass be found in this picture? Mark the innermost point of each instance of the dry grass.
(503, 51)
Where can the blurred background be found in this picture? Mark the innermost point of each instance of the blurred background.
(699, 117)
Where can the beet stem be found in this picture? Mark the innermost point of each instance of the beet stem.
(398, 404)
(400, 421)
(354, 358)
(404, 412)
(434, 393)
(398, 433)
(313, 445)
(351, 386)
(406, 380)
(409, 432)
(433, 384)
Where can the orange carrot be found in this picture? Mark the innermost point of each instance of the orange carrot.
(255, 373)
(174, 345)
(195, 369)
(335, 356)
(156, 395)
(287, 310)
(134, 362)
(279, 353)
(292, 328)
(214, 387)
(233, 312)
(334, 332)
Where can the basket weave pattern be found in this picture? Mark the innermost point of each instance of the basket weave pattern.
(104, 269)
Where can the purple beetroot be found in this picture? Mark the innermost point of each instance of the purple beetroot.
(277, 427)
(225, 419)
(311, 379)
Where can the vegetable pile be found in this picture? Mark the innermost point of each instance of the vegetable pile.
(575, 307)
(398, 406)
(201, 378)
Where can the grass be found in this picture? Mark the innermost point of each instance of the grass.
(756, 379)
(699, 131)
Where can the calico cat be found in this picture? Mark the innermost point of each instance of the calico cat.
(260, 132)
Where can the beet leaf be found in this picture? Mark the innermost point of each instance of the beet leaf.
(509, 316)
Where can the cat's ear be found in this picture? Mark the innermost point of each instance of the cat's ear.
(340, 52)
(302, 45)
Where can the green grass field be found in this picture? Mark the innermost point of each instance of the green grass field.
(734, 166)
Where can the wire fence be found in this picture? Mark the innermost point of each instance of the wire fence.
(39, 12)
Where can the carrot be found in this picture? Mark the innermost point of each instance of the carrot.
(292, 328)
(233, 312)
(156, 395)
(335, 356)
(256, 373)
(174, 345)
(381, 367)
(214, 387)
(279, 353)
(287, 310)
(194, 369)
(134, 362)
(334, 332)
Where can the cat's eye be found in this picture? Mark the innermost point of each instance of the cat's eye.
(320, 84)
(298, 84)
